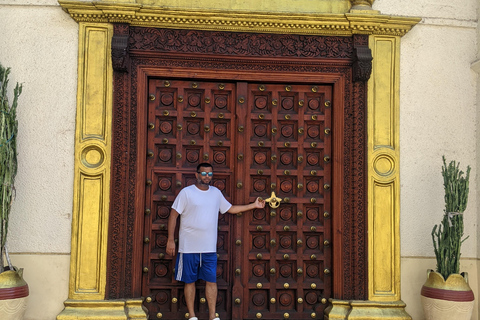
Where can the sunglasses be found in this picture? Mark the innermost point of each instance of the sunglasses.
(204, 174)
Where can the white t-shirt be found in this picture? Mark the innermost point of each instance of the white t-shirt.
(198, 211)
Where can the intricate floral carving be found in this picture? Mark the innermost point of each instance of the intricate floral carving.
(119, 47)
(360, 191)
(240, 44)
(362, 67)
(117, 235)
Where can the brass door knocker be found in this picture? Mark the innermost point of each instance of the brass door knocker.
(273, 201)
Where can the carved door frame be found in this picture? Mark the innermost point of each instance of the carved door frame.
(343, 62)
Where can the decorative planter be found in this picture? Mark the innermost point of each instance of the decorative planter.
(450, 299)
(13, 295)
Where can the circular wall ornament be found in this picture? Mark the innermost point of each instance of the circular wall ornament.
(92, 157)
(384, 165)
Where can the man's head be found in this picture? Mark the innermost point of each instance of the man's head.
(204, 174)
(204, 165)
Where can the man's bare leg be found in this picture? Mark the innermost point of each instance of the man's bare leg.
(190, 298)
(211, 293)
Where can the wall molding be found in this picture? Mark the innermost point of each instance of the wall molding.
(287, 23)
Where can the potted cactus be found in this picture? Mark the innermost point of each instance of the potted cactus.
(13, 289)
(446, 293)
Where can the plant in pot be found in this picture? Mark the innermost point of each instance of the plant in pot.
(446, 293)
(13, 288)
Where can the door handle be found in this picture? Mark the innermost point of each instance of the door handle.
(273, 201)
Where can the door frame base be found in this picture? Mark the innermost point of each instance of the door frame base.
(366, 310)
(123, 309)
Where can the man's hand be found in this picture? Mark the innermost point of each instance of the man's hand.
(171, 247)
(259, 203)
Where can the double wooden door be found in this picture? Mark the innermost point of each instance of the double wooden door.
(269, 140)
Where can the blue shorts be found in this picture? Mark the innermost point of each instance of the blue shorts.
(191, 267)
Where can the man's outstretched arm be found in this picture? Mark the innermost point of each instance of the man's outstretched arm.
(246, 207)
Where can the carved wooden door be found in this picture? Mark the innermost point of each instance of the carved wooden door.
(189, 123)
(285, 253)
(273, 263)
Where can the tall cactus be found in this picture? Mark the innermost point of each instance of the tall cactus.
(447, 236)
(8, 157)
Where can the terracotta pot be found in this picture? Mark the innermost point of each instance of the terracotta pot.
(450, 299)
(13, 295)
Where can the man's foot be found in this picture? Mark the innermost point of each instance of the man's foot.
(195, 318)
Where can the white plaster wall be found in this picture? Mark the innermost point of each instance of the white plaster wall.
(437, 116)
(39, 43)
(47, 276)
(476, 68)
(459, 10)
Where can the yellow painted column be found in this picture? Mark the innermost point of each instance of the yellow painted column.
(383, 185)
(383, 190)
(383, 170)
(92, 164)
(88, 263)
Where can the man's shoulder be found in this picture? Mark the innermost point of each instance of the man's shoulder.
(193, 189)
(189, 188)
(186, 190)
(215, 191)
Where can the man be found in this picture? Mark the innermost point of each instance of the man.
(198, 205)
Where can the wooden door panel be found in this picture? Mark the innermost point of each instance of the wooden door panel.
(287, 259)
(188, 123)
